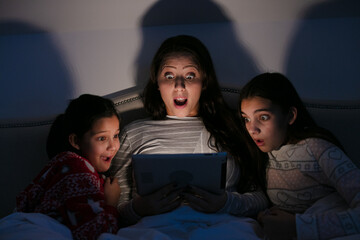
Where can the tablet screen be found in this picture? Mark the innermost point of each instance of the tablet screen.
(204, 170)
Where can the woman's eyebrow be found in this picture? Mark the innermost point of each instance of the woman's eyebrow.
(191, 66)
(167, 66)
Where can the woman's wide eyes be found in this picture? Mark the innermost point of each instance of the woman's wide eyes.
(169, 75)
(188, 76)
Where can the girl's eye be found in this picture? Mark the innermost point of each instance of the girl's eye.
(101, 138)
(246, 120)
(264, 117)
(169, 75)
(116, 136)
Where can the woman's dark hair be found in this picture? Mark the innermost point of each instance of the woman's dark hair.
(279, 90)
(218, 118)
(78, 118)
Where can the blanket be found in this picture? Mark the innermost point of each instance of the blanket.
(29, 226)
(182, 223)
(186, 223)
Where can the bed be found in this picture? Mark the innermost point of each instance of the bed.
(22, 143)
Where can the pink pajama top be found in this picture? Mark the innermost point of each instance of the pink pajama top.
(70, 190)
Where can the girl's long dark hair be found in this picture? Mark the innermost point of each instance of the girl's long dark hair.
(78, 118)
(222, 123)
(279, 90)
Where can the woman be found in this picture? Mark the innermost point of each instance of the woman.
(188, 115)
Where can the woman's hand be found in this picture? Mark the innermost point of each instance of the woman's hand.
(112, 191)
(278, 224)
(204, 201)
(161, 201)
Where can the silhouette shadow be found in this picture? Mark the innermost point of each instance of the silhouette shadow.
(35, 79)
(323, 59)
(35, 86)
(205, 20)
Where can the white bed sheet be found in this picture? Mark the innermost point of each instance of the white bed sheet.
(30, 226)
(185, 223)
(182, 223)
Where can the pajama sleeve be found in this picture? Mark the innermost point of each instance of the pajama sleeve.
(122, 169)
(344, 176)
(71, 191)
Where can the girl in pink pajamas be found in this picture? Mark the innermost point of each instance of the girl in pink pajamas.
(81, 144)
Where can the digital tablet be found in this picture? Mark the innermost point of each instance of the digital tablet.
(204, 170)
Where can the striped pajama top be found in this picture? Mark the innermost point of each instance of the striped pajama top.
(175, 135)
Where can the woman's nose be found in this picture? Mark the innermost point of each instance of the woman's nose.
(179, 83)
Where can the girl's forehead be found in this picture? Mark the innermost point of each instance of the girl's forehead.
(254, 101)
(257, 105)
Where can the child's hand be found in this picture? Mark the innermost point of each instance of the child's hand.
(112, 191)
(278, 224)
(204, 201)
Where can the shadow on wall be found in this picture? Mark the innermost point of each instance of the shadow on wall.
(34, 77)
(205, 20)
(323, 59)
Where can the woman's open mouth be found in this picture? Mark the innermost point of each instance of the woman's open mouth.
(180, 101)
